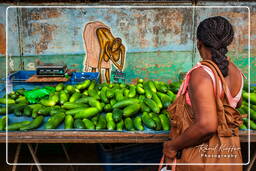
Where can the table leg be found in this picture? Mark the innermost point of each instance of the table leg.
(16, 157)
(67, 156)
(249, 168)
(36, 147)
(39, 168)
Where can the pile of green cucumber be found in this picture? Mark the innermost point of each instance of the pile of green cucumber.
(244, 109)
(94, 106)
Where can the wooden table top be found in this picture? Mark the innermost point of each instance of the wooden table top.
(95, 137)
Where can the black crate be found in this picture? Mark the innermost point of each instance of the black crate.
(129, 153)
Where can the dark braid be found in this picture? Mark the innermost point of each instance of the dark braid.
(217, 33)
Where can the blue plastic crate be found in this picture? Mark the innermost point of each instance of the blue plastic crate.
(78, 77)
(18, 79)
(128, 153)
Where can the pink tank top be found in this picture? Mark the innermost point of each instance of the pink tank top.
(232, 100)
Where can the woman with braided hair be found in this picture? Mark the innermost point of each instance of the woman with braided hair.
(204, 133)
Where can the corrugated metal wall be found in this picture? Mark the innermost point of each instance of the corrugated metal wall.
(160, 42)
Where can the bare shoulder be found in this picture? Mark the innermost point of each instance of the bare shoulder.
(200, 78)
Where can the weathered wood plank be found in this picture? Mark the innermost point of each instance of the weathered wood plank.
(94, 137)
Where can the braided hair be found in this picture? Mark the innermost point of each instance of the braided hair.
(217, 33)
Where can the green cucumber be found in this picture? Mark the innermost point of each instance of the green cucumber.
(70, 105)
(119, 95)
(59, 87)
(103, 95)
(75, 110)
(148, 92)
(145, 108)
(120, 125)
(157, 122)
(165, 122)
(35, 123)
(110, 93)
(54, 121)
(75, 97)
(17, 125)
(48, 102)
(131, 109)
(94, 93)
(125, 102)
(8, 101)
(138, 123)
(83, 85)
(44, 111)
(95, 103)
(140, 90)
(69, 122)
(132, 92)
(152, 105)
(148, 121)
(92, 85)
(117, 114)
(70, 89)
(89, 124)
(102, 123)
(151, 86)
(79, 124)
(63, 97)
(157, 100)
(3, 123)
(107, 107)
(88, 112)
(110, 122)
(129, 124)
(95, 119)
(85, 99)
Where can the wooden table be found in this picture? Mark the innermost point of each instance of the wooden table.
(90, 137)
(94, 137)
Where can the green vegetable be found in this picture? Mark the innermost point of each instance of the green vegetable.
(69, 122)
(88, 112)
(131, 109)
(102, 123)
(152, 105)
(17, 125)
(103, 95)
(88, 124)
(148, 121)
(138, 123)
(71, 105)
(59, 87)
(110, 122)
(165, 122)
(95, 103)
(2, 110)
(75, 97)
(157, 100)
(120, 125)
(129, 124)
(117, 114)
(48, 102)
(151, 86)
(148, 91)
(79, 124)
(3, 123)
(132, 92)
(8, 101)
(33, 124)
(157, 122)
(125, 102)
(54, 121)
